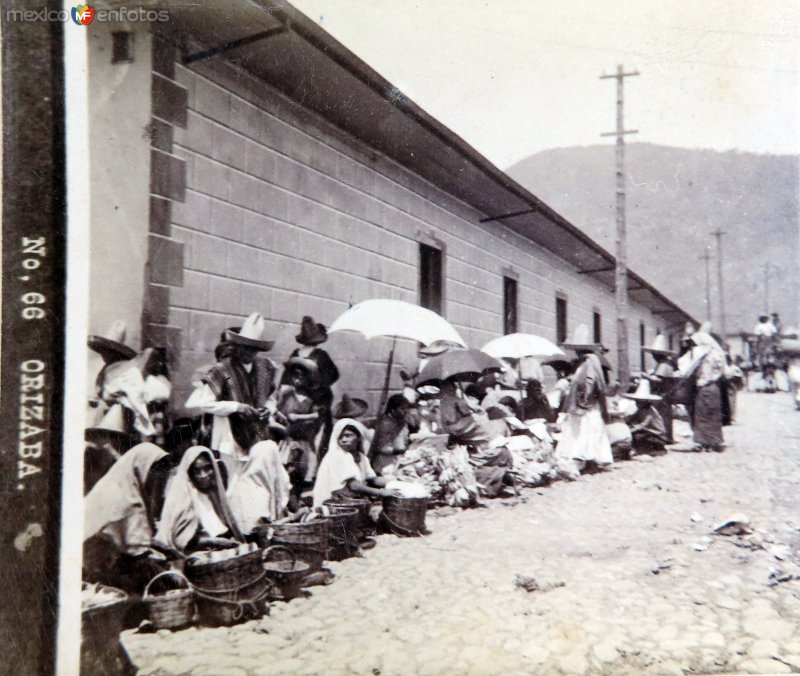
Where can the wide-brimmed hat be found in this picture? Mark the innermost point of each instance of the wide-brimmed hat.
(309, 366)
(580, 341)
(350, 407)
(250, 334)
(111, 428)
(643, 392)
(111, 346)
(311, 333)
(659, 346)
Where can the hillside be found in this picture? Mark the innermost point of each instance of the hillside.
(675, 198)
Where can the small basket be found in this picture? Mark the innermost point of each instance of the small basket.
(344, 532)
(173, 609)
(364, 525)
(308, 541)
(226, 574)
(405, 516)
(286, 575)
(100, 630)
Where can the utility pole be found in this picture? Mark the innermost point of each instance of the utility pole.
(718, 233)
(766, 288)
(707, 257)
(621, 267)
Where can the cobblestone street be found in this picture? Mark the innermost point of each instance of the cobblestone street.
(647, 586)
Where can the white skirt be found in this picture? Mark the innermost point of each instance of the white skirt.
(584, 437)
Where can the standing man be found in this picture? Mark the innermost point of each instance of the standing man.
(238, 391)
(664, 368)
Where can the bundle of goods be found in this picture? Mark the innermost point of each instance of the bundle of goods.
(535, 463)
(446, 474)
(230, 584)
(344, 530)
(404, 514)
(102, 612)
(170, 608)
(285, 573)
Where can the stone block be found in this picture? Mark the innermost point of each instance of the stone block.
(195, 212)
(228, 147)
(226, 220)
(170, 101)
(194, 292)
(224, 295)
(167, 175)
(259, 161)
(212, 178)
(208, 254)
(165, 260)
(160, 135)
(256, 298)
(169, 337)
(160, 216)
(198, 134)
(258, 231)
(242, 262)
(156, 304)
(212, 101)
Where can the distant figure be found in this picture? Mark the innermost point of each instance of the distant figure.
(775, 320)
(705, 365)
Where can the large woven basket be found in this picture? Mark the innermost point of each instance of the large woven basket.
(225, 574)
(100, 630)
(344, 532)
(364, 524)
(405, 516)
(173, 608)
(285, 573)
(309, 541)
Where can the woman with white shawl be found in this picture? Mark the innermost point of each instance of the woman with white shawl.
(119, 519)
(705, 364)
(196, 512)
(583, 431)
(345, 467)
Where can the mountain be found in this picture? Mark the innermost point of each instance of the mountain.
(675, 198)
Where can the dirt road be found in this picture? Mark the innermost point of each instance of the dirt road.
(647, 587)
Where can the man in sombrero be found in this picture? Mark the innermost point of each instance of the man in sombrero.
(238, 391)
(660, 376)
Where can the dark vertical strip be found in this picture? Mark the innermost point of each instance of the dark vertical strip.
(34, 242)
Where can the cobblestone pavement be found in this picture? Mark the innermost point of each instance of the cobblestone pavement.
(647, 587)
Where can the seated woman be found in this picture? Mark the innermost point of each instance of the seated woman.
(345, 470)
(262, 490)
(119, 520)
(391, 435)
(648, 431)
(196, 512)
(464, 423)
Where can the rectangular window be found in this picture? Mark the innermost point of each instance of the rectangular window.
(430, 278)
(509, 305)
(561, 319)
(598, 328)
(641, 343)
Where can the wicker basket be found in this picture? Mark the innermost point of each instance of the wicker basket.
(100, 630)
(364, 525)
(173, 609)
(225, 574)
(286, 574)
(308, 541)
(405, 516)
(344, 532)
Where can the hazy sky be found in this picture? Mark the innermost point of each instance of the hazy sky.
(514, 77)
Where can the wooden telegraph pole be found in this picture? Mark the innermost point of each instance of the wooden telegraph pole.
(621, 268)
(718, 233)
(707, 257)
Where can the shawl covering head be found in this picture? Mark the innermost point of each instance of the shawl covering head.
(184, 506)
(262, 489)
(338, 466)
(587, 388)
(115, 506)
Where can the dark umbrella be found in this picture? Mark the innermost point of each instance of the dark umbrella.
(458, 364)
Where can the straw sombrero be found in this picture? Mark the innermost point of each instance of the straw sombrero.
(250, 334)
(643, 392)
(659, 346)
(111, 346)
(350, 407)
(580, 341)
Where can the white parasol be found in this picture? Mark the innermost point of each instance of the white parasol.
(518, 345)
(395, 319)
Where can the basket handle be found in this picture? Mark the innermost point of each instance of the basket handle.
(173, 573)
(269, 549)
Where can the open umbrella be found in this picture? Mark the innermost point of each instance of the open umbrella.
(395, 319)
(518, 345)
(461, 364)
